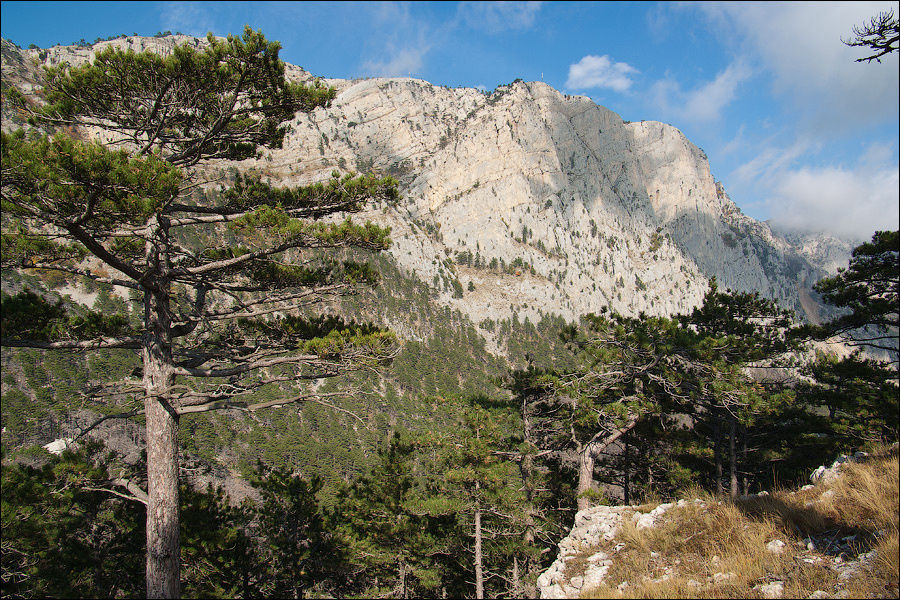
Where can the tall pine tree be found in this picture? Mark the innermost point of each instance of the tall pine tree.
(208, 334)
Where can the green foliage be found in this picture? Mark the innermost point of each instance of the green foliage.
(63, 539)
(127, 91)
(480, 482)
(338, 193)
(860, 395)
(394, 544)
(61, 179)
(299, 553)
(220, 558)
(30, 316)
(280, 229)
(870, 290)
(741, 327)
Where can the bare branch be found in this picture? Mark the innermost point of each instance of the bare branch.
(128, 343)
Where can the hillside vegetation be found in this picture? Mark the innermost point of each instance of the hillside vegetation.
(837, 538)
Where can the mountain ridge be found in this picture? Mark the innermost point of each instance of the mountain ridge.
(525, 200)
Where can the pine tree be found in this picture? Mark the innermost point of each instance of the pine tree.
(300, 553)
(630, 368)
(737, 334)
(478, 487)
(394, 543)
(208, 336)
(870, 290)
(64, 534)
(220, 557)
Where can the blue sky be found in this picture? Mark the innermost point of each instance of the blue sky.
(797, 131)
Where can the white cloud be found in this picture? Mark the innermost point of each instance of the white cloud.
(850, 202)
(768, 163)
(800, 43)
(400, 62)
(600, 72)
(496, 17)
(705, 102)
(192, 18)
(399, 42)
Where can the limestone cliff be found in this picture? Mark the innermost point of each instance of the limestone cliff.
(525, 200)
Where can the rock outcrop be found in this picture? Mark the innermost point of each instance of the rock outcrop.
(591, 550)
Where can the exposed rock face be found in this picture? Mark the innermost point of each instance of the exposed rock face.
(584, 210)
(593, 525)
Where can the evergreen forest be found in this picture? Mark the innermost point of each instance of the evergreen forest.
(245, 413)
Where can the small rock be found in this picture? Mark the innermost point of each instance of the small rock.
(775, 546)
(577, 582)
(622, 586)
(763, 493)
(644, 522)
(58, 446)
(594, 576)
(720, 577)
(694, 583)
(868, 555)
(654, 554)
(618, 547)
(808, 486)
(715, 559)
(553, 591)
(827, 494)
(771, 590)
(816, 595)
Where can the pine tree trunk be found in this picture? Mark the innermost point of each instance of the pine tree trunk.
(585, 476)
(163, 553)
(163, 549)
(744, 462)
(479, 573)
(516, 583)
(717, 451)
(732, 457)
(627, 486)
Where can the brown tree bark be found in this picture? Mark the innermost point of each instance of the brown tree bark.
(586, 457)
(744, 461)
(479, 573)
(627, 486)
(585, 475)
(163, 549)
(732, 457)
(717, 450)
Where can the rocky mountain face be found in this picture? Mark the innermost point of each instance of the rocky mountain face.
(524, 200)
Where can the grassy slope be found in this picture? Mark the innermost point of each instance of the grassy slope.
(845, 520)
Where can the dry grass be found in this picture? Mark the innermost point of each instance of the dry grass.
(695, 546)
